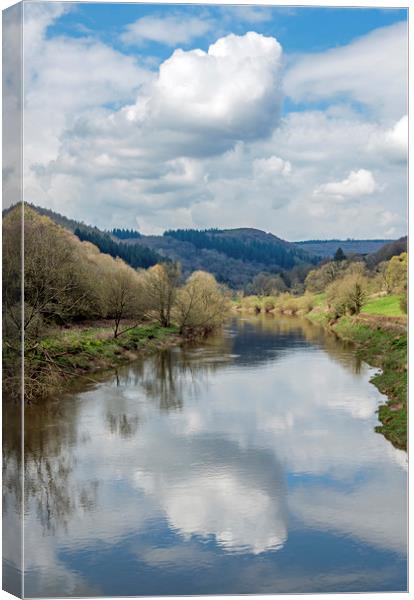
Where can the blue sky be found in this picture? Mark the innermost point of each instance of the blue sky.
(291, 120)
(299, 29)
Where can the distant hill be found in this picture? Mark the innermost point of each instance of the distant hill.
(327, 248)
(247, 244)
(388, 251)
(233, 256)
(108, 243)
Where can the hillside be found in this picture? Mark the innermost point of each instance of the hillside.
(327, 248)
(234, 272)
(388, 251)
(233, 256)
(246, 244)
(136, 256)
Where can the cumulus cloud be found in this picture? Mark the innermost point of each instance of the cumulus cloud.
(200, 142)
(229, 93)
(358, 183)
(371, 70)
(169, 30)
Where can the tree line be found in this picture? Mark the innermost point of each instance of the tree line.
(267, 253)
(346, 282)
(135, 255)
(67, 280)
(126, 234)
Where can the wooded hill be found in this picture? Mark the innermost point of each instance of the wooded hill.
(233, 256)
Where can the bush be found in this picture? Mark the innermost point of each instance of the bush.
(347, 295)
(202, 304)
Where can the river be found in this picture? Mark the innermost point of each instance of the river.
(244, 464)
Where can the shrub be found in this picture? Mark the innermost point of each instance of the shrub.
(347, 295)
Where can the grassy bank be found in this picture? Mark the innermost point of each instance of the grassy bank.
(383, 344)
(54, 362)
(388, 306)
(380, 338)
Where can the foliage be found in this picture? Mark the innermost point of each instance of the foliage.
(347, 295)
(160, 289)
(268, 250)
(339, 255)
(126, 234)
(69, 281)
(395, 273)
(234, 272)
(202, 305)
(122, 294)
(134, 254)
(56, 282)
(266, 284)
(318, 279)
(386, 252)
(78, 352)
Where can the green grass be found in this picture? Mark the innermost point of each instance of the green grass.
(387, 306)
(55, 360)
(319, 299)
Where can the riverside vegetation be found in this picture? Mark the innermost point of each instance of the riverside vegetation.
(85, 310)
(361, 303)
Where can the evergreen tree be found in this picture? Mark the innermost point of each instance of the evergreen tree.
(135, 255)
(339, 255)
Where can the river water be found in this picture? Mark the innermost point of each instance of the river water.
(245, 464)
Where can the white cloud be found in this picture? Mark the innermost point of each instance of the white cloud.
(249, 14)
(64, 78)
(200, 143)
(371, 70)
(392, 142)
(271, 166)
(230, 93)
(358, 183)
(169, 29)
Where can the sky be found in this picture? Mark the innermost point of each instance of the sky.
(291, 120)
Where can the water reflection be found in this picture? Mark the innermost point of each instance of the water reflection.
(247, 464)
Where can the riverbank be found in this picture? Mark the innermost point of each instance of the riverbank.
(80, 351)
(383, 344)
(380, 340)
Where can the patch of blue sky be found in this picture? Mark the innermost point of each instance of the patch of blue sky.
(299, 29)
(339, 100)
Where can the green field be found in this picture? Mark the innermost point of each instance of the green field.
(387, 306)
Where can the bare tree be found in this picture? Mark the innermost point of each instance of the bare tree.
(160, 289)
(202, 304)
